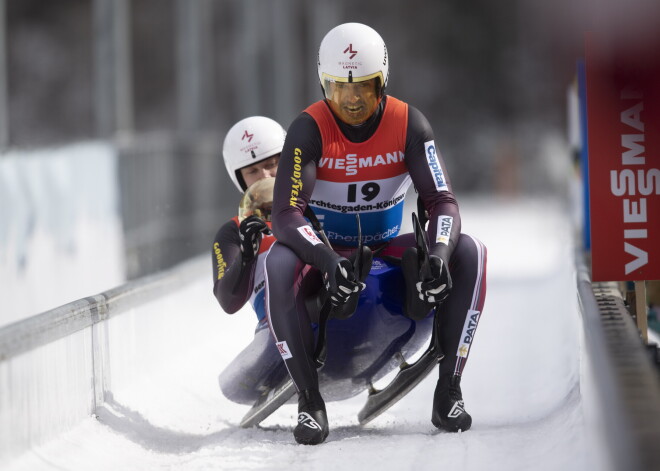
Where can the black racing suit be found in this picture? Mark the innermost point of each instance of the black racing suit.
(293, 261)
(236, 282)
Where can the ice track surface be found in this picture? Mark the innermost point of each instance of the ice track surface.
(527, 383)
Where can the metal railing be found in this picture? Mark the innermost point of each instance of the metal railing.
(39, 330)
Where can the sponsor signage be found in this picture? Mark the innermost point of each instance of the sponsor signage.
(623, 119)
(444, 229)
(434, 166)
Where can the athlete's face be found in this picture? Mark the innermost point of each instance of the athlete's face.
(265, 168)
(353, 103)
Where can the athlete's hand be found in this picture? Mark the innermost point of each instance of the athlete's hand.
(435, 289)
(251, 231)
(340, 281)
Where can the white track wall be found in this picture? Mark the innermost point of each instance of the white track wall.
(46, 390)
(59, 220)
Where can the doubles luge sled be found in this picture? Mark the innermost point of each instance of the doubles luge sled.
(359, 350)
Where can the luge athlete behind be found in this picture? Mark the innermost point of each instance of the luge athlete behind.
(357, 152)
(251, 151)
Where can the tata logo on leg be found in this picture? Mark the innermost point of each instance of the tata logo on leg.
(283, 348)
(471, 322)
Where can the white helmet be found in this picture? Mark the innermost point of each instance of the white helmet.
(352, 52)
(249, 141)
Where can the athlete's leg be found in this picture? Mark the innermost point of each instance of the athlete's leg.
(288, 282)
(459, 316)
(257, 364)
(461, 310)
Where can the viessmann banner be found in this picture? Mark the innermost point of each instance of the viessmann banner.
(623, 119)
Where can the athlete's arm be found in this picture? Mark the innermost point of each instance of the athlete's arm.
(294, 184)
(429, 175)
(231, 293)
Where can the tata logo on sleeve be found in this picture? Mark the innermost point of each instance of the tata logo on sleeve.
(445, 224)
(434, 165)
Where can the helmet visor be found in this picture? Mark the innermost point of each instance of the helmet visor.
(353, 102)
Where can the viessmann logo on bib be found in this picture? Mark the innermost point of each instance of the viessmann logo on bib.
(354, 162)
(434, 165)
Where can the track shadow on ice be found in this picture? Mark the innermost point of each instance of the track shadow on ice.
(136, 428)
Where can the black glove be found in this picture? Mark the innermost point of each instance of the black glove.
(437, 288)
(250, 231)
(340, 282)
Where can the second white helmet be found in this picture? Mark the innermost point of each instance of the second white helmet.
(352, 52)
(249, 141)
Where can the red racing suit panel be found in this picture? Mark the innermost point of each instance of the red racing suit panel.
(369, 178)
(389, 138)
